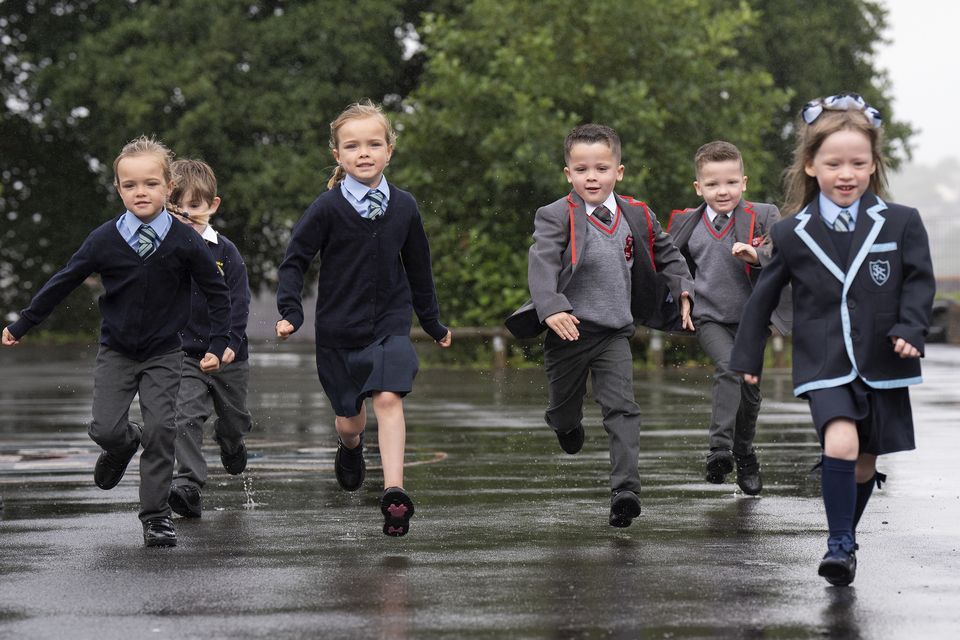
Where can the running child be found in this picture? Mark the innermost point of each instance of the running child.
(863, 289)
(374, 272)
(223, 392)
(723, 240)
(146, 263)
(597, 268)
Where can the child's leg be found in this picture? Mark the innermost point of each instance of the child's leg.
(229, 393)
(159, 384)
(746, 429)
(349, 429)
(114, 387)
(566, 365)
(866, 476)
(841, 446)
(194, 406)
(392, 433)
(612, 371)
(717, 341)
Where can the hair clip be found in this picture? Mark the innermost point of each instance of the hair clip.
(840, 102)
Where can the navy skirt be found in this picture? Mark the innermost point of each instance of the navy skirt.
(883, 417)
(349, 376)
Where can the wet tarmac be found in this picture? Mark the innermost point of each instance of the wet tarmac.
(510, 538)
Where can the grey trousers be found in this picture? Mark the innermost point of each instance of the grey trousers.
(607, 358)
(202, 394)
(736, 404)
(116, 380)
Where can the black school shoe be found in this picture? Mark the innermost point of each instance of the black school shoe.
(235, 462)
(350, 466)
(185, 500)
(111, 465)
(397, 509)
(159, 532)
(571, 441)
(748, 474)
(719, 464)
(624, 507)
(839, 564)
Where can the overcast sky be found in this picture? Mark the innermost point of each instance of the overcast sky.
(922, 61)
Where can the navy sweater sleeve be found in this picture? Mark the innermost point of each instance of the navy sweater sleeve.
(235, 273)
(415, 254)
(305, 243)
(57, 288)
(204, 271)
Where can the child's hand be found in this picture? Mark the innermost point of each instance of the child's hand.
(903, 348)
(745, 252)
(447, 340)
(284, 329)
(210, 363)
(8, 339)
(750, 378)
(686, 322)
(228, 356)
(564, 325)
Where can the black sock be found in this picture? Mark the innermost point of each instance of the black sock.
(864, 491)
(839, 494)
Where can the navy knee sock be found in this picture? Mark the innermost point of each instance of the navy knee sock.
(864, 491)
(839, 495)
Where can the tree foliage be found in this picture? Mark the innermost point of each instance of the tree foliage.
(483, 106)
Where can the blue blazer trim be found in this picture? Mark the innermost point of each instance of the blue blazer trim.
(825, 384)
(883, 246)
(808, 240)
(893, 384)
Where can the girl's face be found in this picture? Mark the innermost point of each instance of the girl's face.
(843, 166)
(362, 149)
(141, 185)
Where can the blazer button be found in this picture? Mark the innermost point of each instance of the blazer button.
(851, 304)
(854, 334)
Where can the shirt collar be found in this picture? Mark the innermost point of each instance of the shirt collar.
(160, 224)
(829, 210)
(359, 190)
(610, 203)
(209, 234)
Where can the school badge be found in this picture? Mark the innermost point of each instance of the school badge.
(628, 248)
(879, 271)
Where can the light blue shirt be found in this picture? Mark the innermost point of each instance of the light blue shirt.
(829, 211)
(128, 225)
(355, 192)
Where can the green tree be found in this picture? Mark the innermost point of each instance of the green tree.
(819, 48)
(504, 82)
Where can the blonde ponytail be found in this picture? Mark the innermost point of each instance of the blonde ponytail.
(338, 175)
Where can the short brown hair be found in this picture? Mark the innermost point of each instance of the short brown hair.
(591, 134)
(144, 146)
(716, 151)
(193, 177)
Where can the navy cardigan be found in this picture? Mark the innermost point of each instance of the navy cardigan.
(373, 273)
(145, 303)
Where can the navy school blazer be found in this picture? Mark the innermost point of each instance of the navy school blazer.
(751, 225)
(659, 274)
(845, 314)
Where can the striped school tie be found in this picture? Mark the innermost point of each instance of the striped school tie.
(603, 215)
(844, 221)
(376, 204)
(149, 241)
(720, 221)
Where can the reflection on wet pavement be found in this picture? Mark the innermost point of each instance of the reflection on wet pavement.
(510, 539)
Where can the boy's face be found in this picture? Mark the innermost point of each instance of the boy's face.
(593, 171)
(196, 209)
(721, 184)
(141, 186)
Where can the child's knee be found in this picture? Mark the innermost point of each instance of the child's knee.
(841, 440)
(866, 467)
(387, 401)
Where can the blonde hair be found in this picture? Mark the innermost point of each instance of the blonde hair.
(196, 178)
(356, 111)
(144, 146)
(801, 188)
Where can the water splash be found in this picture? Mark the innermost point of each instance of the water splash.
(248, 491)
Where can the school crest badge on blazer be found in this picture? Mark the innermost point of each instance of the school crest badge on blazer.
(879, 271)
(628, 248)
